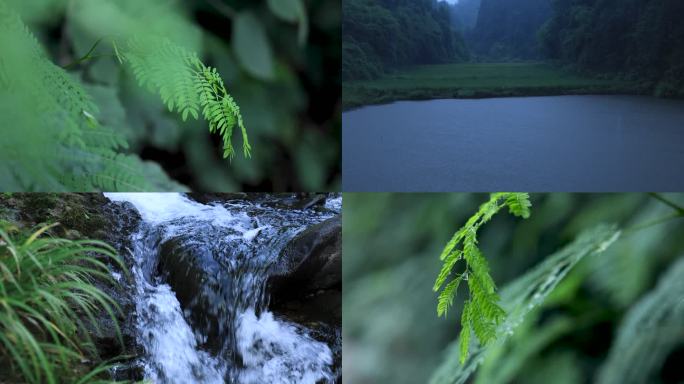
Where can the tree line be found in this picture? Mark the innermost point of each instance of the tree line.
(637, 40)
(378, 35)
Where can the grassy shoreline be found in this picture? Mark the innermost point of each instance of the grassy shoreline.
(476, 81)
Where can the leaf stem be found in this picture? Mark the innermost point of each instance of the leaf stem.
(654, 222)
(668, 202)
(679, 213)
(84, 57)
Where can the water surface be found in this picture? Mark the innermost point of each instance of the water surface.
(561, 143)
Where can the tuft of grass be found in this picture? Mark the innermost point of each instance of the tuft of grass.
(47, 299)
(478, 80)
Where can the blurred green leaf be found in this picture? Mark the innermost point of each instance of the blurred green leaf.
(252, 47)
(288, 10)
(310, 164)
(292, 11)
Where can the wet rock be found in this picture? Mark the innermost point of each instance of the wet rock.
(332, 336)
(289, 201)
(310, 262)
(114, 223)
(122, 221)
(129, 370)
(307, 288)
(208, 198)
(80, 212)
(107, 340)
(201, 287)
(9, 207)
(295, 201)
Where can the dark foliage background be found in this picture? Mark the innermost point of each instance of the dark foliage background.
(507, 30)
(638, 39)
(284, 73)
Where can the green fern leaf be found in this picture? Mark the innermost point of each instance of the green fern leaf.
(519, 204)
(444, 273)
(484, 314)
(186, 86)
(464, 343)
(518, 298)
(446, 298)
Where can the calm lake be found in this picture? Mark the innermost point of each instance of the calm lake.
(563, 143)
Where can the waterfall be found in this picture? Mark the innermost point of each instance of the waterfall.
(207, 320)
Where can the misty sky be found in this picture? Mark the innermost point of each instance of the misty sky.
(451, 1)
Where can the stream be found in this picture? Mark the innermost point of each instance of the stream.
(215, 326)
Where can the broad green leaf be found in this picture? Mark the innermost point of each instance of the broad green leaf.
(288, 10)
(252, 46)
(650, 331)
(292, 11)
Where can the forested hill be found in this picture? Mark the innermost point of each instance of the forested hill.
(381, 34)
(639, 39)
(635, 42)
(508, 29)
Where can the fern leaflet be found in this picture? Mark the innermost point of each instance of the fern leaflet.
(186, 85)
(519, 298)
(481, 311)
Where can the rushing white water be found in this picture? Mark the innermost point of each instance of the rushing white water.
(272, 350)
(157, 208)
(170, 342)
(277, 352)
(334, 203)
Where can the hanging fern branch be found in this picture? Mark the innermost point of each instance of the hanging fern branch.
(481, 311)
(187, 86)
(520, 297)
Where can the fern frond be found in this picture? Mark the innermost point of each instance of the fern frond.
(449, 248)
(446, 298)
(464, 343)
(485, 314)
(444, 273)
(187, 86)
(519, 204)
(518, 299)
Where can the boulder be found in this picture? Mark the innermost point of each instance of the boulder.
(201, 287)
(307, 288)
(285, 201)
(296, 201)
(208, 198)
(311, 261)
